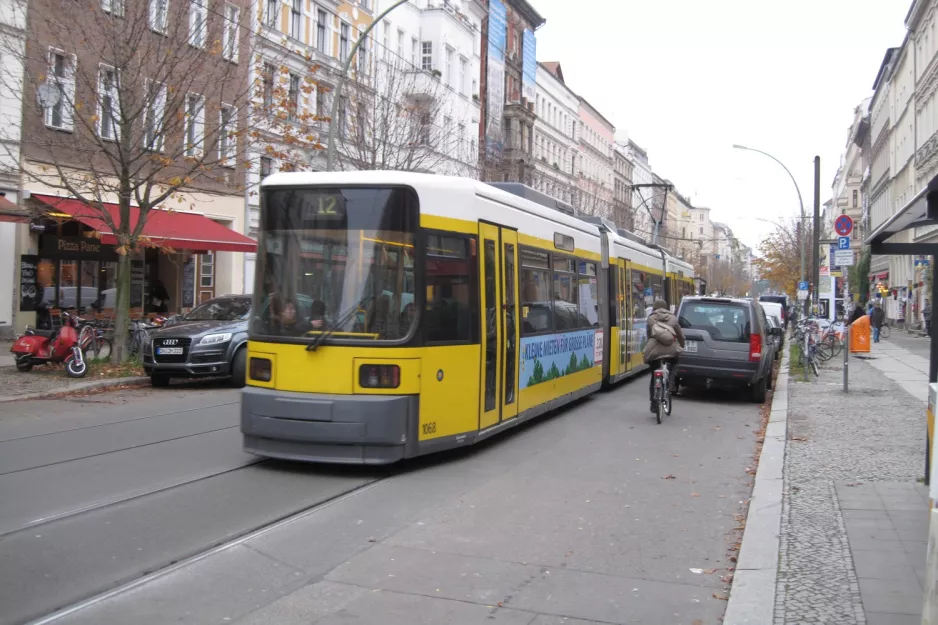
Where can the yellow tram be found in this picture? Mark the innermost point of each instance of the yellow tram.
(397, 314)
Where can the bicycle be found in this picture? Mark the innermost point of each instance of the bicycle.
(139, 337)
(662, 391)
(809, 353)
(92, 341)
(884, 331)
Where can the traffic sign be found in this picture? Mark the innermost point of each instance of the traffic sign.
(803, 285)
(843, 225)
(843, 258)
(843, 243)
(802, 295)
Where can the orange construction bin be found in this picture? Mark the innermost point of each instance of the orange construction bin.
(860, 335)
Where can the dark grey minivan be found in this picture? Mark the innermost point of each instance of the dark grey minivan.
(727, 345)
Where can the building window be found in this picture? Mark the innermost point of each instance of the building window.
(267, 166)
(413, 52)
(272, 12)
(321, 31)
(268, 86)
(386, 41)
(294, 97)
(230, 36)
(207, 270)
(426, 56)
(296, 14)
(462, 75)
(108, 103)
(701, 230)
(159, 15)
(460, 140)
(856, 198)
(344, 32)
(114, 7)
(156, 111)
(195, 124)
(343, 117)
(198, 24)
(62, 70)
(227, 135)
(363, 56)
(400, 45)
(449, 67)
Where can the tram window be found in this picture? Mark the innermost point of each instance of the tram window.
(452, 290)
(589, 295)
(566, 312)
(536, 308)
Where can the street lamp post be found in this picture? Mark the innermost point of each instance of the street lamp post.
(797, 190)
(340, 82)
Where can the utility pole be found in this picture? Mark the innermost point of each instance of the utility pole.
(664, 205)
(817, 229)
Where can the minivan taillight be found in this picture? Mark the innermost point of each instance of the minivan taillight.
(755, 347)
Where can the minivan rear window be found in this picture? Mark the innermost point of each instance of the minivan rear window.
(724, 322)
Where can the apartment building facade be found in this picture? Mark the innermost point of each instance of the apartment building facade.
(595, 166)
(622, 186)
(555, 142)
(178, 105)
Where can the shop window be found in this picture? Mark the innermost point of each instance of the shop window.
(88, 296)
(536, 308)
(452, 289)
(207, 274)
(68, 284)
(108, 287)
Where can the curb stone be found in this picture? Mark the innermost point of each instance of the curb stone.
(752, 596)
(81, 386)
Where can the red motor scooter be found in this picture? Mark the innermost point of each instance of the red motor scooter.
(38, 347)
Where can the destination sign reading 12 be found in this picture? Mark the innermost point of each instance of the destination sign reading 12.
(315, 206)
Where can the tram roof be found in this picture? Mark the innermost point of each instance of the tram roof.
(429, 183)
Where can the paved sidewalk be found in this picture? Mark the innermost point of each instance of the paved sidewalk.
(854, 516)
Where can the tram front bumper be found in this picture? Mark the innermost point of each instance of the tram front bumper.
(311, 427)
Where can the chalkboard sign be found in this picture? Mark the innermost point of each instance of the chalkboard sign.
(136, 283)
(188, 283)
(30, 293)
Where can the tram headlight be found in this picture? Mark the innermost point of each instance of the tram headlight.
(260, 369)
(379, 376)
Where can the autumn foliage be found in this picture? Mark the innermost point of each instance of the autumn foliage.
(780, 261)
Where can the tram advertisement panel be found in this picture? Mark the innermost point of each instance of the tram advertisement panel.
(552, 356)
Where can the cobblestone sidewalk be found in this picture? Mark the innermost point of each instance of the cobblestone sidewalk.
(872, 434)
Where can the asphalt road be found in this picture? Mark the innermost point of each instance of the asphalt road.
(101, 491)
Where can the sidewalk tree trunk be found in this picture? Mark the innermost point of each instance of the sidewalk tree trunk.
(144, 104)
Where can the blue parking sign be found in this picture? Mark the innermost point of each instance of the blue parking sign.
(803, 285)
(843, 243)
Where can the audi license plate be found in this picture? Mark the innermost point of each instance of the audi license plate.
(690, 346)
(169, 351)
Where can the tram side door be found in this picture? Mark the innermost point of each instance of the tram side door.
(500, 330)
(625, 315)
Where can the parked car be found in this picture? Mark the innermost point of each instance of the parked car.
(781, 300)
(776, 339)
(728, 345)
(209, 341)
(773, 309)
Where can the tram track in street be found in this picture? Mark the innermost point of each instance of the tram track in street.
(189, 560)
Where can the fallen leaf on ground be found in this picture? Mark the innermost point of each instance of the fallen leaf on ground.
(855, 484)
(669, 477)
(728, 578)
(800, 439)
(568, 554)
(695, 494)
(696, 571)
(710, 571)
(721, 597)
(732, 558)
(717, 428)
(697, 621)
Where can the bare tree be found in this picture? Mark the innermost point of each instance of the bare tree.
(142, 101)
(594, 198)
(399, 117)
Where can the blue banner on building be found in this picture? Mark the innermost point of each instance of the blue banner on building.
(529, 65)
(552, 356)
(495, 78)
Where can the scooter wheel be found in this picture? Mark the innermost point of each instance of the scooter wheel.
(75, 368)
(24, 363)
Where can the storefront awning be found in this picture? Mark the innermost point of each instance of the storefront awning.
(11, 213)
(178, 230)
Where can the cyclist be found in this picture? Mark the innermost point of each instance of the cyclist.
(665, 342)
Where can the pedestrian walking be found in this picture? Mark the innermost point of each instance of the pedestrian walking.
(857, 313)
(877, 318)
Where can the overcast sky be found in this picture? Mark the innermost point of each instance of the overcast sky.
(686, 79)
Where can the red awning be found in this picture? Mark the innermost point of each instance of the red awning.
(11, 213)
(178, 230)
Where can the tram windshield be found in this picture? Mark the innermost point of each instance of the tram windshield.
(338, 261)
